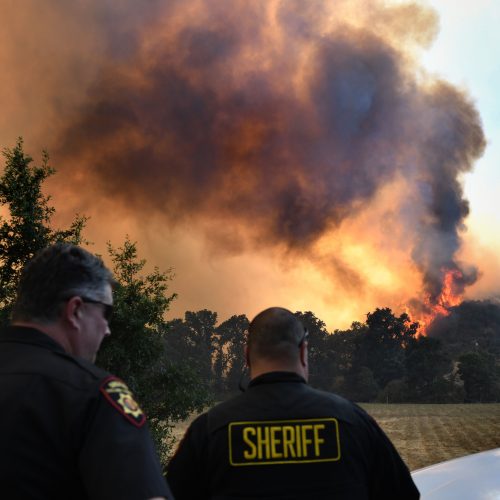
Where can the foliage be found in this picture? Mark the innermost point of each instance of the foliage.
(321, 365)
(217, 351)
(361, 385)
(26, 229)
(396, 391)
(193, 341)
(480, 375)
(427, 363)
(135, 351)
(382, 349)
(140, 305)
(232, 334)
(472, 325)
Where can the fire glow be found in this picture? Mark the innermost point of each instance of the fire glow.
(450, 296)
(306, 131)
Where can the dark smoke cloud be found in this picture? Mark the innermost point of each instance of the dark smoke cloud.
(266, 118)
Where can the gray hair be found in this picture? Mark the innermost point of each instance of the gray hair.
(55, 274)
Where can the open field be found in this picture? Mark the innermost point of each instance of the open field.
(431, 433)
(425, 434)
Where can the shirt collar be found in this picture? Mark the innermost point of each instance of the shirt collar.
(275, 377)
(26, 335)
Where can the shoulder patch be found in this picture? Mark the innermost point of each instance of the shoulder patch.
(117, 393)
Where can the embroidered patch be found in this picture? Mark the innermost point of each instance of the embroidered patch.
(119, 395)
(284, 442)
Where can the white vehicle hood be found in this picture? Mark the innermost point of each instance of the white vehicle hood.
(473, 477)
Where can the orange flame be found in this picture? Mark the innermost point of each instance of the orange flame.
(440, 307)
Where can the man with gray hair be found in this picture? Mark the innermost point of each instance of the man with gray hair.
(282, 439)
(67, 428)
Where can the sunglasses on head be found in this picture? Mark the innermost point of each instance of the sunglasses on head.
(108, 308)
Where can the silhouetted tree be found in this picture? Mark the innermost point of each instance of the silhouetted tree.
(361, 385)
(26, 229)
(473, 325)
(232, 334)
(382, 347)
(427, 363)
(480, 376)
(194, 340)
(321, 358)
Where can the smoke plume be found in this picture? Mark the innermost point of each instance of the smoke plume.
(273, 124)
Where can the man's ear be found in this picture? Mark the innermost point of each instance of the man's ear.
(304, 354)
(72, 311)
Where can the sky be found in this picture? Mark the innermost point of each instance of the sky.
(316, 158)
(467, 53)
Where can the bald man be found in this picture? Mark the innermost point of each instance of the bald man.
(281, 439)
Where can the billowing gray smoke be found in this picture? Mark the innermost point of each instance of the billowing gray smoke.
(280, 119)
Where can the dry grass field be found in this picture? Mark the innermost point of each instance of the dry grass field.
(431, 433)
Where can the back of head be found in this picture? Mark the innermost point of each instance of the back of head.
(54, 275)
(276, 334)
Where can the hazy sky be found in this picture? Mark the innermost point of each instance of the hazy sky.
(94, 83)
(467, 52)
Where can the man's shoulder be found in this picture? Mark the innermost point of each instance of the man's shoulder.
(82, 369)
(303, 401)
(66, 370)
(329, 397)
(29, 351)
(341, 405)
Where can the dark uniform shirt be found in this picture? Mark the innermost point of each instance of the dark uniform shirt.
(282, 439)
(67, 428)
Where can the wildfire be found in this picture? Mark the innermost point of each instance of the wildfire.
(451, 295)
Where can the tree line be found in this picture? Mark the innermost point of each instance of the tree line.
(182, 365)
(382, 359)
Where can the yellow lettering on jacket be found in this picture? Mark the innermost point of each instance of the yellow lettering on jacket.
(283, 441)
(294, 441)
(263, 442)
(249, 455)
(288, 441)
(317, 439)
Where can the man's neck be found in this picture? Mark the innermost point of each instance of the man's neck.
(51, 330)
(262, 369)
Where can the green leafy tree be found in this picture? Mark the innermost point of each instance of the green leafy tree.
(473, 325)
(396, 391)
(427, 365)
(136, 349)
(361, 385)
(141, 303)
(479, 373)
(232, 334)
(382, 348)
(322, 368)
(25, 226)
(346, 343)
(203, 333)
(215, 352)
(195, 340)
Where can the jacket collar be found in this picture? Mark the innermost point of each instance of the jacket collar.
(276, 377)
(25, 335)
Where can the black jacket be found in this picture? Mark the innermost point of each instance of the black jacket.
(68, 429)
(281, 439)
